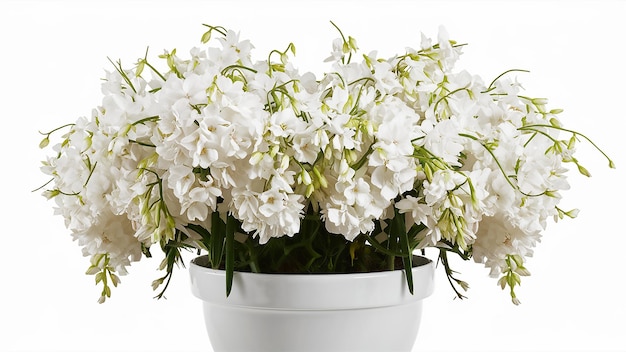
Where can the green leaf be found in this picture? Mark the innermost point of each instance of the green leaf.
(407, 257)
(216, 243)
(230, 253)
(379, 247)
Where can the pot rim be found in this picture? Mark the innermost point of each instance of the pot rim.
(418, 260)
(333, 291)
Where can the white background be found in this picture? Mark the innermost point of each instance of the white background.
(52, 56)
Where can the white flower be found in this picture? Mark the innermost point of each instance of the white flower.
(343, 219)
(420, 212)
(470, 168)
(386, 80)
(337, 53)
(269, 214)
(358, 193)
(444, 141)
(442, 183)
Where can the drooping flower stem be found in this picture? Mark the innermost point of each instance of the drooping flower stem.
(575, 133)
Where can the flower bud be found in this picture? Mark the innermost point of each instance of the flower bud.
(305, 177)
(555, 122)
(309, 190)
(502, 282)
(92, 270)
(100, 276)
(352, 43)
(44, 142)
(583, 171)
(256, 158)
(51, 193)
(284, 163)
(274, 150)
(206, 37)
(319, 177)
(350, 156)
(140, 66)
(114, 279)
(156, 283)
(572, 213)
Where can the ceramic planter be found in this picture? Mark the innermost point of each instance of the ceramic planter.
(312, 312)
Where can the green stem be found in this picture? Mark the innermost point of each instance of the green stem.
(443, 257)
(154, 118)
(56, 129)
(119, 70)
(345, 42)
(231, 67)
(532, 128)
(379, 247)
(502, 74)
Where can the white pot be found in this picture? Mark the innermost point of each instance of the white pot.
(312, 312)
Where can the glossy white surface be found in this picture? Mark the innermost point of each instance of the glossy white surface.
(337, 312)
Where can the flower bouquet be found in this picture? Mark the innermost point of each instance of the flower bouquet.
(267, 169)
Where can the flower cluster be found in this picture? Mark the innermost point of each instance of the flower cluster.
(218, 152)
